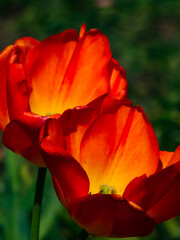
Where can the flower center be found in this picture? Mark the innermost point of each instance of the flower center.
(49, 114)
(106, 189)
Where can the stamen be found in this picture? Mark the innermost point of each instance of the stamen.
(106, 189)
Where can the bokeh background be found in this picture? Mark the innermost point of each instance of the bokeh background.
(144, 37)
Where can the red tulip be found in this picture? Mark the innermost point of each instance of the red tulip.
(106, 170)
(41, 80)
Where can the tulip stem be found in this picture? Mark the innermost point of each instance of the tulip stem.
(37, 203)
(83, 235)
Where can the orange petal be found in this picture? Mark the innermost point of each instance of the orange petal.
(17, 91)
(118, 80)
(119, 146)
(24, 44)
(75, 122)
(4, 63)
(46, 67)
(82, 31)
(80, 121)
(169, 158)
(21, 136)
(69, 178)
(165, 157)
(65, 73)
(110, 216)
(147, 191)
(176, 157)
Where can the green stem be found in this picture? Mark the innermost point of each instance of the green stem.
(37, 203)
(83, 235)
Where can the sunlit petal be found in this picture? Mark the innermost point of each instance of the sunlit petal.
(119, 146)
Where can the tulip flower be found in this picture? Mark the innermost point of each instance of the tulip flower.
(40, 80)
(108, 172)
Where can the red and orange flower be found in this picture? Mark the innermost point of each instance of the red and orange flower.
(63, 105)
(108, 172)
(40, 80)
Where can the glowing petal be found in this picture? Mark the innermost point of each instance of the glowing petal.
(119, 146)
(77, 69)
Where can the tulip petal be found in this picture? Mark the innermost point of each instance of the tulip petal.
(165, 157)
(69, 178)
(76, 121)
(168, 206)
(119, 146)
(169, 158)
(110, 216)
(4, 61)
(13, 53)
(82, 31)
(46, 66)
(75, 67)
(21, 136)
(175, 157)
(53, 130)
(24, 44)
(118, 80)
(147, 191)
(17, 91)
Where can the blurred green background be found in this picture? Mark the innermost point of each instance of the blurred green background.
(144, 37)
